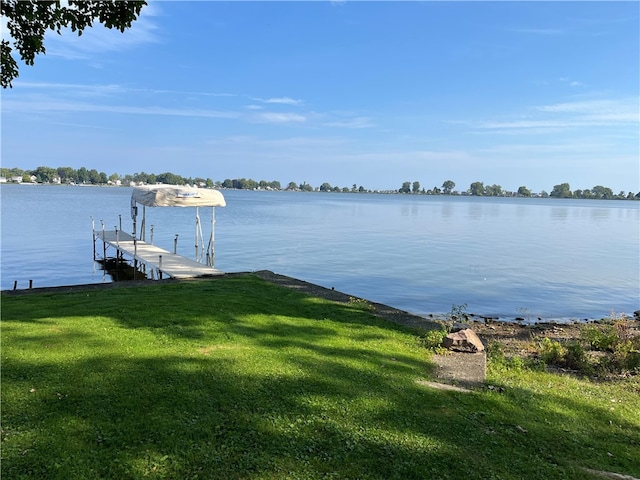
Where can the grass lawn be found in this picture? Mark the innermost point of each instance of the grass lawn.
(240, 378)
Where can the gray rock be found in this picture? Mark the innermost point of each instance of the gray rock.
(463, 341)
(457, 326)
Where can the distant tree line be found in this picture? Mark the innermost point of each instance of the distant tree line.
(83, 176)
(479, 189)
(248, 184)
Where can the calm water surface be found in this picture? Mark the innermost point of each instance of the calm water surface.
(507, 257)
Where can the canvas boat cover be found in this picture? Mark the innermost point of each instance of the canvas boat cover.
(176, 196)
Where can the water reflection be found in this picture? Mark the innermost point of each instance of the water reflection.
(475, 210)
(599, 214)
(522, 210)
(559, 213)
(446, 210)
(408, 210)
(494, 210)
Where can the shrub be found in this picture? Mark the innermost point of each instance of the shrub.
(600, 338)
(576, 358)
(552, 352)
(516, 363)
(626, 357)
(432, 340)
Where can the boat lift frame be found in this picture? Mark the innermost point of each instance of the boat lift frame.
(160, 260)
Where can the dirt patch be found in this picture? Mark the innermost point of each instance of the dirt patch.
(520, 339)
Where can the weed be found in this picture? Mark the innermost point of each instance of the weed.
(525, 315)
(576, 358)
(552, 352)
(626, 356)
(457, 311)
(361, 304)
(618, 344)
(600, 337)
(432, 340)
(514, 363)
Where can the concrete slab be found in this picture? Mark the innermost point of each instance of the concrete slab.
(464, 369)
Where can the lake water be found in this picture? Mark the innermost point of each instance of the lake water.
(507, 257)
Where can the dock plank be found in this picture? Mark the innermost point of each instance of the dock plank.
(173, 265)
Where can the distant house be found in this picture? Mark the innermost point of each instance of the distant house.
(3, 179)
(16, 179)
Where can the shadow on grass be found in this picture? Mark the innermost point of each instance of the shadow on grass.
(202, 402)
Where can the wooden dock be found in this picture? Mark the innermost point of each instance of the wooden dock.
(155, 258)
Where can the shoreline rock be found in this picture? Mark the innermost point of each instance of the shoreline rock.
(463, 341)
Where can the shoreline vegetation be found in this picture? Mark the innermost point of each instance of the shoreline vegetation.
(84, 176)
(264, 376)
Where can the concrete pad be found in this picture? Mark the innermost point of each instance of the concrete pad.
(457, 368)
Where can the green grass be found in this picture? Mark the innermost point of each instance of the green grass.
(239, 378)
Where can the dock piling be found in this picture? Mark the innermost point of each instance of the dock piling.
(135, 257)
(104, 243)
(93, 234)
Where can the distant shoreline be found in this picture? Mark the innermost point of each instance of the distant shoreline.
(467, 193)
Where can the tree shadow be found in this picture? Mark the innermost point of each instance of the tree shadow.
(197, 407)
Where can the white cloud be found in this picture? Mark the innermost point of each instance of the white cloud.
(597, 112)
(76, 89)
(526, 124)
(540, 31)
(357, 122)
(589, 113)
(570, 82)
(62, 106)
(272, 117)
(538, 150)
(283, 101)
(279, 100)
(33, 98)
(305, 142)
(112, 89)
(592, 106)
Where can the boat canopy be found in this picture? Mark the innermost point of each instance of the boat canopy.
(176, 196)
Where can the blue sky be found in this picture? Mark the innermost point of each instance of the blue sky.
(371, 93)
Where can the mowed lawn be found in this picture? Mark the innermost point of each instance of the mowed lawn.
(239, 378)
